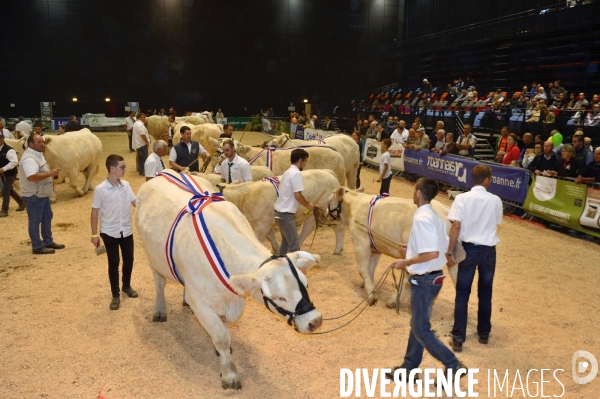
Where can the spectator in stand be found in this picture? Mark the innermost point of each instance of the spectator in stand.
(465, 144)
(587, 143)
(427, 88)
(220, 114)
(528, 158)
(535, 114)
(572, 101)
(525, 92)
(541, 94)
(567, 166)
(328, 126)
(356, 137)
(385, 167)
(582, 154)
(557, 90)
(538, 139)
(72, 125)
(22, 129)
(592, 170)
(593, 116)
(533, 90)
(422, 140)
(595, 99)
(512, 150)
(400, 135)
(502, 143)
(382, 134)
(559, 103)
(514, 101)
(364, 128)
(531, 108)
(372, 131)
(544, 161)
(450, 91)
(548, 116)
(449, 146)
(527, 145)
(581, 104)
(439, 142)
(412, 137)
(463, 96)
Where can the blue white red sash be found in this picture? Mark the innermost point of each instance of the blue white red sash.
(321, 140)
(269, 161)
(370, 217)
(195, 206)
(274, 181)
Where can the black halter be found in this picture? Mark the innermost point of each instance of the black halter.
(304, 305)
(338, 211)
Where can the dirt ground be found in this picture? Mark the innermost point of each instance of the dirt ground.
(58, 338)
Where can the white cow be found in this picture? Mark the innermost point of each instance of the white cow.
(318, 158)
(343, 144)
(158, 126)
(256, 200)
(202, 134)
(392, 217)
(72, 152)
(258, 172)
(250, 270)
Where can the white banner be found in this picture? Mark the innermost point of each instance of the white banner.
(372, 154)
(99, 120)
(221, 121)
(315, 134)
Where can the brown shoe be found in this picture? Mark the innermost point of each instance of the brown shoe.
(55, 246)
(130, 292)
(21, 207)
(115, 303)
(455, 345)
(3, 214)
(43, 251)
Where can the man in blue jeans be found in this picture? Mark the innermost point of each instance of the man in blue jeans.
(424, 262)
(476, 216)
(36, 188)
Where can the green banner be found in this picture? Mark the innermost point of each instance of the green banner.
(563, 202)
(237, 123)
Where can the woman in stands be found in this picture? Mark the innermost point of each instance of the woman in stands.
(512, 150)
(567, 166)
(449, 146)
(572, 100)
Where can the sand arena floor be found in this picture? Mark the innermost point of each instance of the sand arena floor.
(58, 338)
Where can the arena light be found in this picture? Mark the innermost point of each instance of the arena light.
(107, 99)
(305, 100)
(74, 99)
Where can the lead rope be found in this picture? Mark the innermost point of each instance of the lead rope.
(375, 291)
(398, 289)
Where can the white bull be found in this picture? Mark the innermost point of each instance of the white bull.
(318, 158)
(256, 200)
(158, 126)
(342, 143)
(242, 255)
(392, 217)
(72, 152)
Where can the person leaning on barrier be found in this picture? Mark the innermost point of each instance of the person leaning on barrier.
(544, 161)
(466, 143)
(537, 150)
(372, 131)
(582, 154)
(591, 174)
(439, 142)
(449, 146)
(422, 140)
(567, 166)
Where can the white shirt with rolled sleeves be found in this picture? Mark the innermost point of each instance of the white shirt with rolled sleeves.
(153, 165)
(139, 130)
(130, 122)
(173, 152)
(13, 161)
(385, 159)
(24, 128)
(428, 234)
(291, 182)
(114, 203)
(240, 169)
(479, 213)
(7, 134)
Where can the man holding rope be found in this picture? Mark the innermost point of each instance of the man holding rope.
(425, 258)
(184, 155)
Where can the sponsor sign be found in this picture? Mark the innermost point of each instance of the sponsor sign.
(299, 135)
(46, 112)
(372, 154)
(237, 123)
(58, 121)
(221, 121)
(134, 106)
(563, 202)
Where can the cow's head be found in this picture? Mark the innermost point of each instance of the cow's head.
(277, 142)
(281, 284)
(335, 201)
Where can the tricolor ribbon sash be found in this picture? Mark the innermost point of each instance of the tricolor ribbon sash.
(370, 217)
(195, 206)
(269, 152)
(274, 181)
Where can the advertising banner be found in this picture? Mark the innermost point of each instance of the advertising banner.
(46, 113)
(563, 202)
(134, 106)
(508, 183)
(238, 123)
(58, 121)
(299, 132)
(221, 121)
(315, 134)
(99, 120)
(372, 154)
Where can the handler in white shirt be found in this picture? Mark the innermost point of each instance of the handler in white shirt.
(129, 122)
(22, 129)
(233, 166)
(476, 216)
(5, 132)
(140, 141)
(154, 163)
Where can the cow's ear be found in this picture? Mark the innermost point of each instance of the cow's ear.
(244, 284)
(304, 260)
(339, 192)
(47, 140)
(214, 142)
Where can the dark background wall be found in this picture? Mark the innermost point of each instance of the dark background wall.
(193, 54)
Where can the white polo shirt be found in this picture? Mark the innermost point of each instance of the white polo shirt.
(115, 208)
(130, 122)
(24, 128)
(291, 182)
(139, 130)
(153, 165)
(7, 134)
(240, 169)
(385, 159)
(399, 138)
(479, 213)
(428, 234)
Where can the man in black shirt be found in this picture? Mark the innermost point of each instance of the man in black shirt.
(545, 161)
(72, 125)
(591, 174)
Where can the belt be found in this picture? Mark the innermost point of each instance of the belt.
(285, 213)
(478, 245)
(426, 274)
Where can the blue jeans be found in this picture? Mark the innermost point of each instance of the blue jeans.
(39, 213)
(484, 258)
(422, 294)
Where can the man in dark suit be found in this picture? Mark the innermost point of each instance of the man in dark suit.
(184, 155)
(72, 125)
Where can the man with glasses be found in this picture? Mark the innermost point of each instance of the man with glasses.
(112, 204)
(233, 166)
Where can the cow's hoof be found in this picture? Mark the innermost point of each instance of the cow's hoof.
(372, 300)
(338, 252)
(184, 303)
(391, 304)
(159, 318)
(231, 385)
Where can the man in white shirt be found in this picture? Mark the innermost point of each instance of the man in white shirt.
(36, 188)
(140, 142)
(233, 166)
(8, 175)
(22, 129)
(400, 135)
(154, 163)
(466, 143)
(476, 216)
(385, 167)
(290, 198)
(128, 125)
(424, 262)
(184, 155)
(112, 204)
(171, 130)
(5, 132)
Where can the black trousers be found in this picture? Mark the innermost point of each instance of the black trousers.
(358, 176)
(142, 155)
(112, 251)
(129, 135)
(8, 191)
(385, 185)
